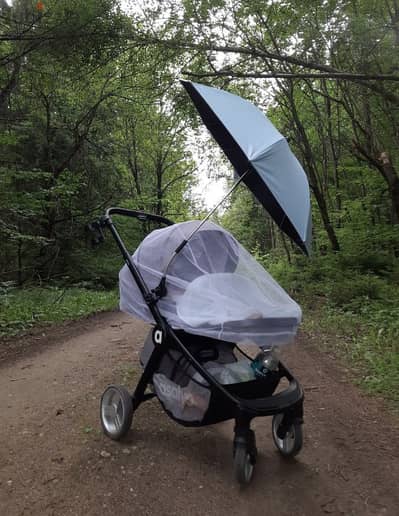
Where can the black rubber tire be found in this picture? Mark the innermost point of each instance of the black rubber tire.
(243, 465)
(292, 442)
(116, 425)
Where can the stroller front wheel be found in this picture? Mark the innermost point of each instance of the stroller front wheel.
(116, 412)
(243, 465)
(289, 444)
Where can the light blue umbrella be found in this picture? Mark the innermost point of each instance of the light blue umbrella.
(258, 150)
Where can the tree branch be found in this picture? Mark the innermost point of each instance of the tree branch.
(174, 180)
(286, 75)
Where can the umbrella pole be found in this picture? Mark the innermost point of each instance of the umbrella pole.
(218, 204)
(160, 291)
(180, 247)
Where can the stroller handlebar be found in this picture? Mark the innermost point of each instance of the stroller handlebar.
(105, 221)
(142, 216)
(97, 226)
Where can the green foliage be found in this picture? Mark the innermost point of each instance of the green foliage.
(247, 220)
(349, 310)
(20, 309)
(86, 122)
(368, 340)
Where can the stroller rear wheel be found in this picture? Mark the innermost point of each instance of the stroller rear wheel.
(290, 443)
(116, 412)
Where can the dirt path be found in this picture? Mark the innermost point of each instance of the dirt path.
(55, 461)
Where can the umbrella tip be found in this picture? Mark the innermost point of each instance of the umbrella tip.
(186, 84)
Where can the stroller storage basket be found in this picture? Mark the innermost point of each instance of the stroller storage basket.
(180, 387)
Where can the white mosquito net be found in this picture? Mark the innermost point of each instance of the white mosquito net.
(214, 287)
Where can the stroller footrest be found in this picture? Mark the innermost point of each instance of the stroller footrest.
(280, 402)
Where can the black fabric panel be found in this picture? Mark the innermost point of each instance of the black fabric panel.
(241, 164)
(259, 188)
(227, 143)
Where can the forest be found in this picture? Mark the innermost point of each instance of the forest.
(92, 115)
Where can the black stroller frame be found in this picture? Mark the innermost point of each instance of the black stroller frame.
(241, 402)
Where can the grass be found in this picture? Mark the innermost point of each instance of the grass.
(368, 341)
(21, 309)
(352, 313)
(372, 351)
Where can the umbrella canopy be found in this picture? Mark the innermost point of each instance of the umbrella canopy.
(253, 145)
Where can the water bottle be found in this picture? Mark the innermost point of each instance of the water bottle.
(264, 363)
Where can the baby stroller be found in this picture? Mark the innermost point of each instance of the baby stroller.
(196, 371)
(205, 296)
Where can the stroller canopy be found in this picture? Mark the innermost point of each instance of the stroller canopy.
(214, 287)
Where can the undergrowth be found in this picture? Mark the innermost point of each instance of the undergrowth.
(351, 310)
(20, 309)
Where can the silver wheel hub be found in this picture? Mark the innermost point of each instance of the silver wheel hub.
(248, 468)
(288, 442)
(112, 411)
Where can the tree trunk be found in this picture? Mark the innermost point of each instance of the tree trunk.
(10, 86)
(159, 174)
(392, 179)
(311, 167)
(19, 258)
(287, 251)
(385, 166)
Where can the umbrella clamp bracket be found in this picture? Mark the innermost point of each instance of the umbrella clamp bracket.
(156, 293)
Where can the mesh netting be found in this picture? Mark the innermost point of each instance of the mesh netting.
(214, 287)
